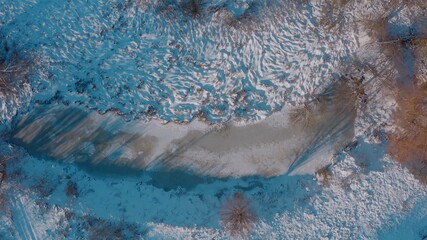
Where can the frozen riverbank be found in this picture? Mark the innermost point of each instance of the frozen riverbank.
(280, 144)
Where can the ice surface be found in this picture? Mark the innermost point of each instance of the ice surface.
(271, 147)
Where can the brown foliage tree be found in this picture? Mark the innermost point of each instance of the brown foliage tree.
(409, 143)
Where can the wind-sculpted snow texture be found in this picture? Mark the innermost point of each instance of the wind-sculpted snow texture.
(237, 60)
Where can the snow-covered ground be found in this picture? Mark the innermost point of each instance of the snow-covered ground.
(135, 58)
(136, 119)
(365, 197)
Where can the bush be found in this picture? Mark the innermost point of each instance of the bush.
(71, 189)
(191, 8)
(13, 74)
(237, 216)
(323, 175)
(6, 83)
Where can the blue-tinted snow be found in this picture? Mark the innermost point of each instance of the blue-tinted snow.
(238, 60)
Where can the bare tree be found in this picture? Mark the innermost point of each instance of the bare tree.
(237, 216)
